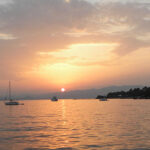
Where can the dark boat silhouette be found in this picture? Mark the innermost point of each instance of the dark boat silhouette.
(54, 98)
(103, 99)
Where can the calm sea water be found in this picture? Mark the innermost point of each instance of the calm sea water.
(76, 125)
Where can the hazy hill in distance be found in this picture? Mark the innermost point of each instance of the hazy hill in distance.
(76, 94)
(92, 93)
(79, 94)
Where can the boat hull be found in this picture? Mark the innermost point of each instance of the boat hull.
(103, 99)
(12, 103)
(54, 100)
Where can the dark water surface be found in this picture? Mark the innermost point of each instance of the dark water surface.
(76, 125)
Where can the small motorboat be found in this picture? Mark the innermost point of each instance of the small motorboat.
(103, 99)
(54, 98)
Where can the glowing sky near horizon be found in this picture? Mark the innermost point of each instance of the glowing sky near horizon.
(49, 44)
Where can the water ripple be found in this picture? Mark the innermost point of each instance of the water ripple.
(76, 125)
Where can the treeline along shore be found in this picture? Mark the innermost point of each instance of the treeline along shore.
(136, 93)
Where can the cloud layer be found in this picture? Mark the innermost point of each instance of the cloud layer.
(28, 27)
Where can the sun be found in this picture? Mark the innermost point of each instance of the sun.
(63, 89)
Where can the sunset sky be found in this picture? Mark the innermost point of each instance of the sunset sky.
(46, 45)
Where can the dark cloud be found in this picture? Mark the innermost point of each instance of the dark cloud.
(134, 16)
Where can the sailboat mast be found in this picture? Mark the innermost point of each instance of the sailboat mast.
(9, 90)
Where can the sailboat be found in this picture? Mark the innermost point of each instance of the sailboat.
(11, 101)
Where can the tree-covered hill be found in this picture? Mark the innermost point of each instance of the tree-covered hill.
(143, 93)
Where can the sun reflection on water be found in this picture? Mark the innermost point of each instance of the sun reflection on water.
(63, 112)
